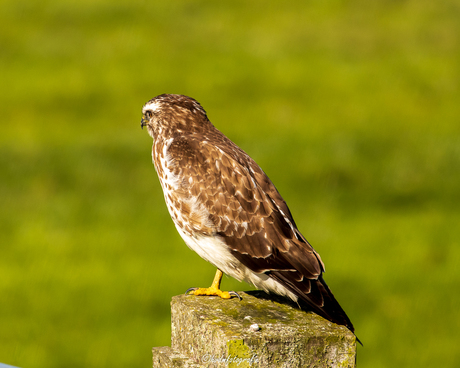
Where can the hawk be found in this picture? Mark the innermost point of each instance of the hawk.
(228, 211)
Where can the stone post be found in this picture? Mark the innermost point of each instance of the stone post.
(258, 331)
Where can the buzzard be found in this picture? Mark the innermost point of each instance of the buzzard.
(228, 211)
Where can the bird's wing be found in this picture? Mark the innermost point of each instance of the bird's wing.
(249, 214)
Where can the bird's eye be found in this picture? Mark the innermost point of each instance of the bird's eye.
(148, 114)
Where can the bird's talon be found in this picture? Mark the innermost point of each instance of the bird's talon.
(234, 293)
(190, 289)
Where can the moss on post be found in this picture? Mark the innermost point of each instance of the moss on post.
(259, 331)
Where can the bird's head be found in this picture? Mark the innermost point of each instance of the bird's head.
(169, 114)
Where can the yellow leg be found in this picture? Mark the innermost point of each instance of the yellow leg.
(214, 289)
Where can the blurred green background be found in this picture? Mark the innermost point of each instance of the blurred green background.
(351, 107)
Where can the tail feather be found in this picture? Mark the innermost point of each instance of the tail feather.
(319, 300)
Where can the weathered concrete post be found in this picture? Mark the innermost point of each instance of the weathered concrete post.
(259, 331)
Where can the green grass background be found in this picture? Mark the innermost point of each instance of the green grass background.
(351, 107)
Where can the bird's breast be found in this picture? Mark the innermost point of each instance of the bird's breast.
(186, 209)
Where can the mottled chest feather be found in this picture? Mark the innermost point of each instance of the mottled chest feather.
(186, 209)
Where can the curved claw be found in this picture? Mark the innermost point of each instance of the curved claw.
(234, 293)
(190, 289)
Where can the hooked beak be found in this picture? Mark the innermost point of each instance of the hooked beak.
(144, 122)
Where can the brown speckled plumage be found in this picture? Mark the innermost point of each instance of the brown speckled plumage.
(227, 209)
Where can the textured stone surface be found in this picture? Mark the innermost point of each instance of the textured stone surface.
(259, 331)
(165, 357)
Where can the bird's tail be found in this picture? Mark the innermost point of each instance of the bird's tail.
(330, 308)
(314, 295)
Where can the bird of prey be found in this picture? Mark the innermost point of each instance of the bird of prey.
(228, 211)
